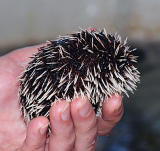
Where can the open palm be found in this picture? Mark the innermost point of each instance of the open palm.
(13, 130)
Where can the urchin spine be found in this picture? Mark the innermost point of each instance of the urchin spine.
(87, 63)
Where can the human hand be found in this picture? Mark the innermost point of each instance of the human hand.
(74, 126)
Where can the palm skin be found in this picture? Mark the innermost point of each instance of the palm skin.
(13, 130)
(12, 126)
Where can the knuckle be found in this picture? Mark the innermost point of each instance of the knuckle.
(90, 136)
(70, 137)
(37, 147)
(32, 147)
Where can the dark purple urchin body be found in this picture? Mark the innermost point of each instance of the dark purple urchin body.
(87, 63)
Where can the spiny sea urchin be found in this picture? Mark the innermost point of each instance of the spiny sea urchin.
(87, 63)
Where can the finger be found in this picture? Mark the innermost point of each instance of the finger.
(62, 130)
(85, 123)
(36, 134)
(112, 112)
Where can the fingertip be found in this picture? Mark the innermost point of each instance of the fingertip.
(81, 108)
(40, 120)
(37, 123)
(60, 116)
(60, 111)
(113, 106)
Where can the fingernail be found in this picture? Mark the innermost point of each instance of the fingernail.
(65, 114)
(43, 129)
(84, 107)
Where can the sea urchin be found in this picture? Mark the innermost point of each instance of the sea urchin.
(87, 63)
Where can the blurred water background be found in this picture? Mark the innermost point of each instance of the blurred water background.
(24, 23)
